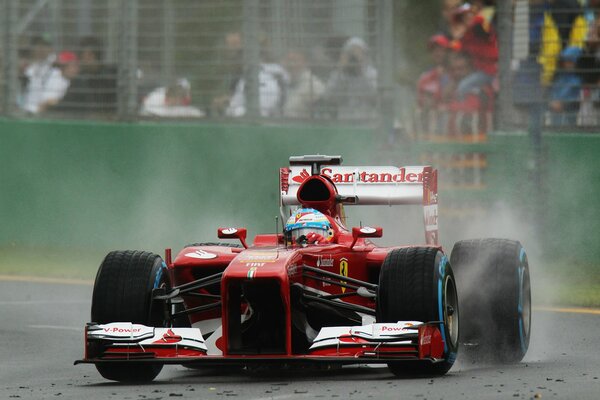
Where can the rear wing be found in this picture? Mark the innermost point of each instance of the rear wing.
(372, 185)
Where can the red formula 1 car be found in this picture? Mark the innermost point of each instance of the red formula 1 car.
(316, 293)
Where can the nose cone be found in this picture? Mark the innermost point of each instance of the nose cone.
(260, 263)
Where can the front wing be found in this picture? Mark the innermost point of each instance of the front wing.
(121, 342)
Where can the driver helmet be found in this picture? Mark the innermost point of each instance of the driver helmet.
(307, 220)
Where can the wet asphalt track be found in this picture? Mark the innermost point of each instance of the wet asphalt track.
(41, 334)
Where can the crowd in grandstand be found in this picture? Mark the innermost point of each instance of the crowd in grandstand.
(80, 81)
(565, 39)
(290, 88)
(456, 95)
(564, 42)
(68, 81)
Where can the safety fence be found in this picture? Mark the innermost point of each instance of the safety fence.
(303, 60)
(255, 59)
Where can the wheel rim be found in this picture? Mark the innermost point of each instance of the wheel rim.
(451, 310)
(161, 281)
(525, 303)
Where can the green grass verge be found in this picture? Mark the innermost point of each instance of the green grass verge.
(566, 283)
(50, 263)
(581, 294)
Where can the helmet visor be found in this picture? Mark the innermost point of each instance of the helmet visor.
(295, 234)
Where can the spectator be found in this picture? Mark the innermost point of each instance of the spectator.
(351, 91)
(37, 74)
(304, 88)
(430, 86)
(479, 39)
(233, 71)
(588, 66)
(450, 27)
(94, 89)
(171, 101)
(431, 82)
(465, 79)
(272, 81)
(566, 88)
(65, 69)
(466, 97)
(560, 25)
(326, 55)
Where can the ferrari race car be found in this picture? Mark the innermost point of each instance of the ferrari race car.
(316, 293)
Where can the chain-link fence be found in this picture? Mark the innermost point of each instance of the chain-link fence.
(311, 60)
(252, 59)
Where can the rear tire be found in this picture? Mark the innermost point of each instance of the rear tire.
(123, 293)
(417, 284)
(495, 299)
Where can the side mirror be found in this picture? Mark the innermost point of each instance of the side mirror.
(365, 232)
(233, 233)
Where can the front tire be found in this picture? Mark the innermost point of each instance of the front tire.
(123, 293)
(495, 297)
(417, 284)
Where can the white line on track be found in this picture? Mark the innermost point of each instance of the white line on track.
(62, 328)
(38, 302)
(37, 279)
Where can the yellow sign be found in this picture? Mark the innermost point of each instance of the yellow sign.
(343, 270)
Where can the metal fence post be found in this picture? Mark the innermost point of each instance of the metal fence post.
(3, 64)
(279, 25)
(113, 31)
(168, 41)
(10, 56)
(251, 56)
(57, 35)
(127, 68)
(84, 18)
(386, 52)
(505, 34)
(349, 17)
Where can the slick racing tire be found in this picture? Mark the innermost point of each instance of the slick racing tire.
(417, 284)
(123, 293)
(493, 282)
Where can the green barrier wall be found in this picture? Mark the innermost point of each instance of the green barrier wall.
(94, 185)
(148, 185)
(567, 205)
(573, 192)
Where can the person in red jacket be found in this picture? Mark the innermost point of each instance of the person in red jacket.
(479, 41)
(431, 84)
(468, 100)
(432, 81)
